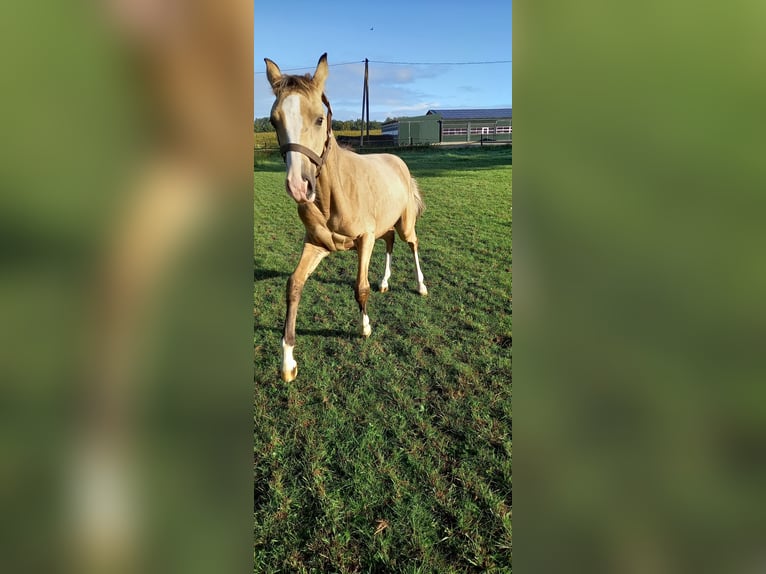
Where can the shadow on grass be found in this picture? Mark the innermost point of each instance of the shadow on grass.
(264, 274)
(336, 333)
(343, 282)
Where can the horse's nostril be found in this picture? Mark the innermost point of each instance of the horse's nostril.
(310, 194)
(311, 183)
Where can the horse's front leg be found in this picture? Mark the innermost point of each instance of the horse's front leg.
(364, 245)
(310, 258)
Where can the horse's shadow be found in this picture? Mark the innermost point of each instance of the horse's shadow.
(264, 274)
(331, 281)
(338, 333)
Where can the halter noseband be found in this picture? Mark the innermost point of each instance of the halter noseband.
(317, 160)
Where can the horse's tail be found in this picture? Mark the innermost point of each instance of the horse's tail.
(417, 198)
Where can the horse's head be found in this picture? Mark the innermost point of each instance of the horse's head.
(303, 128)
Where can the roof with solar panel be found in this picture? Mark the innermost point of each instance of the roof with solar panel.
(472, 114)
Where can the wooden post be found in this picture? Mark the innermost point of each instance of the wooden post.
(367, 98)
(365, 106)
(364, 100)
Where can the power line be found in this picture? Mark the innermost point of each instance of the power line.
(405, 64)
(314, 66)
(442, 63)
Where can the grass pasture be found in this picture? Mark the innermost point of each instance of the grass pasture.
(390, 454)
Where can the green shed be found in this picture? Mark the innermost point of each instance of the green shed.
(453, 126)
(416, 130)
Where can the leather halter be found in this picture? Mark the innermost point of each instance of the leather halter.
(317, 160)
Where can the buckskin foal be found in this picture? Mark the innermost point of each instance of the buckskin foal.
(345, 200)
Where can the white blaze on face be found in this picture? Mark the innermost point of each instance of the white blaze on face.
(291, 108)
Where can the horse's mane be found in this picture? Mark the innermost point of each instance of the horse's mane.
(291, 83)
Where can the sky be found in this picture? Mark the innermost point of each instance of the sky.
(418, 33)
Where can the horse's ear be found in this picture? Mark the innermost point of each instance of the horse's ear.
(321, 72)
(273, 72)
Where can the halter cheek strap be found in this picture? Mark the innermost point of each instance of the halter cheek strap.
(317, 160)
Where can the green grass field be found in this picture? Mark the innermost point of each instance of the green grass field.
(393, 453)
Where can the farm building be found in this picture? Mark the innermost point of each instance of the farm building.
(452, 126)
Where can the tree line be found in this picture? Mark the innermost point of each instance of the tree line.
(263, 125)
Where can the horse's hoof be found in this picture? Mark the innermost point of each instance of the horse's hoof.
(288, 376)
(366, 331)
(422, 289)
(383, 288)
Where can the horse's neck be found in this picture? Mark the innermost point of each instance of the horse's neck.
(329, 179)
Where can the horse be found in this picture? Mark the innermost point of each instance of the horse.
(345, 200)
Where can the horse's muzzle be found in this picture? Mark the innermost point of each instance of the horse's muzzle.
(302, 190)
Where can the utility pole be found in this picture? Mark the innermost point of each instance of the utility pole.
(365, 105)
(367, 91)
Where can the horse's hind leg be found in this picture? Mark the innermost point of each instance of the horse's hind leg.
(388, 237)
(410, 237)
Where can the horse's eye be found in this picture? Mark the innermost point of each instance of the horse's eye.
(319, 121)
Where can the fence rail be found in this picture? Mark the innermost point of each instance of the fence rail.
(265, 150)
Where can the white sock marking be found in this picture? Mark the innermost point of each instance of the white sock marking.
(386, 274)
(364, 324)
(421, 285)
(288, 362)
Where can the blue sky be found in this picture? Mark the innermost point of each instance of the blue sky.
(295, 34)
